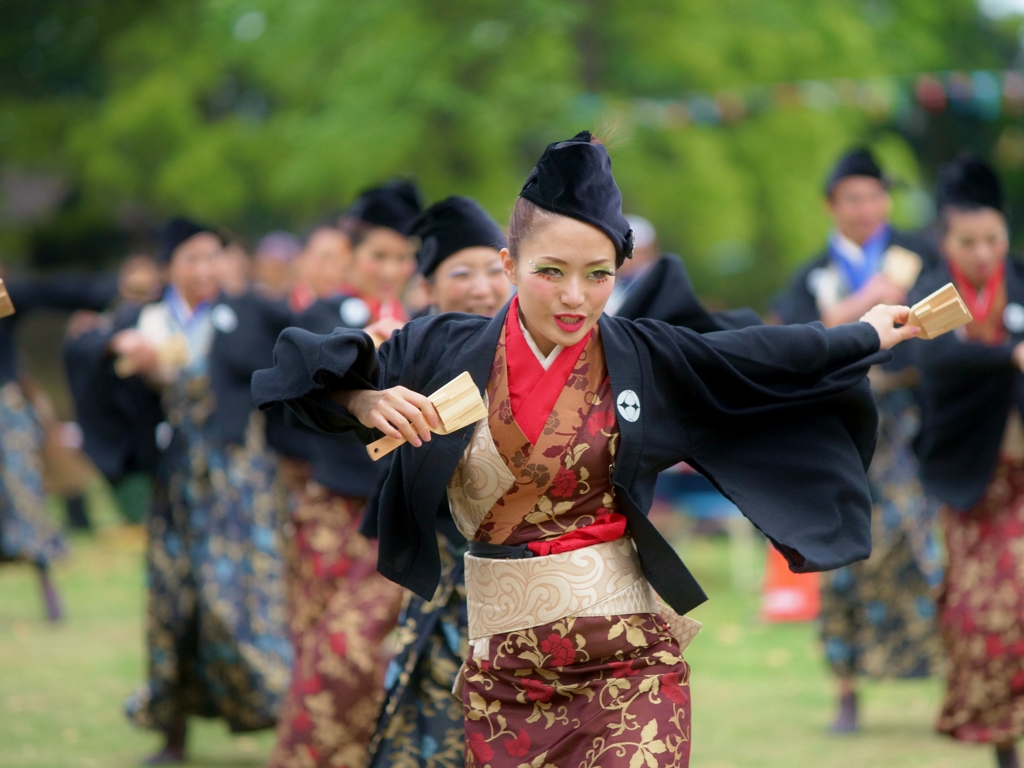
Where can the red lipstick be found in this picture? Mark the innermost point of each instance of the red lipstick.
(570, 323)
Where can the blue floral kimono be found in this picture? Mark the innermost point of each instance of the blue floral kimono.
(216, 629)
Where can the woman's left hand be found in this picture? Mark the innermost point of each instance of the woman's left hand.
(884, 318)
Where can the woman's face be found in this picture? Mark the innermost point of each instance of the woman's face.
(234, 267)
(324, 261)
(471, 280)
(976, 241)
(565, 273)
(382, 264)
(194, 269)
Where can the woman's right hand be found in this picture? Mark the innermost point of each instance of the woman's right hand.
(884, 319)
(397, 412)
(134, 348)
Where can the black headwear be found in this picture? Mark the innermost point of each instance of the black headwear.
(856, 162)
(574, 178)
(450, 226)
(968, 182)
(393, 205)
(173, 233)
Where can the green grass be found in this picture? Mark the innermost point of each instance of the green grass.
(762, 696)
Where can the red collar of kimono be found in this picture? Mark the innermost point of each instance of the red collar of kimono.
(533, 391)
(979, 302)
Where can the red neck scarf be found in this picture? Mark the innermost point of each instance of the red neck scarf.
(533, 391)
(389, 309)
(980, 303)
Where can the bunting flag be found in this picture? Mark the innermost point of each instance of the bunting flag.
(985, 94)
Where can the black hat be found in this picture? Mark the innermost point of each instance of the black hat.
(574, 178)
(857, 162)
(173, 233)
(393, 205)
(968, 182)
(450, 226)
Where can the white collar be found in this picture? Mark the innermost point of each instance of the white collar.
(847, 247)
(545, 362)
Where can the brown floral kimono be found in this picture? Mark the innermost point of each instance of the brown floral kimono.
(602, 684)
(340, 611)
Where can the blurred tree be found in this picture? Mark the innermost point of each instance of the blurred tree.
(269, 113)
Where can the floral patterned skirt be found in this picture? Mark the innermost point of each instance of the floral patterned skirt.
(981, 614)
(422, 722)
(341, 610)
(580, 693)
(26, 532)
(878, 615)
(216, 624)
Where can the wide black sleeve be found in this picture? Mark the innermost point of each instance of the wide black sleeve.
(308, 367)
(783, 423)
(67, 291)
(966, 391)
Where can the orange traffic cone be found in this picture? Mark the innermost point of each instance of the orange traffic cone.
(788, 596)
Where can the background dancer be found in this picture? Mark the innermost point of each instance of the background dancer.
(340, 608)
(878, 616)
(216, 629)
(972, 459)
(26, 532)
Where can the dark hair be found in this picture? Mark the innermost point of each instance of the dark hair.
(527, 218)
(946, 210)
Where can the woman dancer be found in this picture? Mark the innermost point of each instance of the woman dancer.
(216, 626)
(340, 608)
(571, 656)
(972, 459)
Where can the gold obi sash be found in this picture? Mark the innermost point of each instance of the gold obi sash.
(602, 580)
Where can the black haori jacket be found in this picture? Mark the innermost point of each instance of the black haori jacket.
(966, 390)
(666, 293)
(781, 419)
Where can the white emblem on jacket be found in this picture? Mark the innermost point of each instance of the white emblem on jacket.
(224, 318)
(355, 312)
(1013, 318)
(629, 405)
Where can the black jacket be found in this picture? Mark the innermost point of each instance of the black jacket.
(966, 389)
(781, 419)
(665, 293)
(797, 304)
(119, 417)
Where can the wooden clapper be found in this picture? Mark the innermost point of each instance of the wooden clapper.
(901, 266)
(940, 313)
(458, 403)
(6, 305)
(171, 354)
